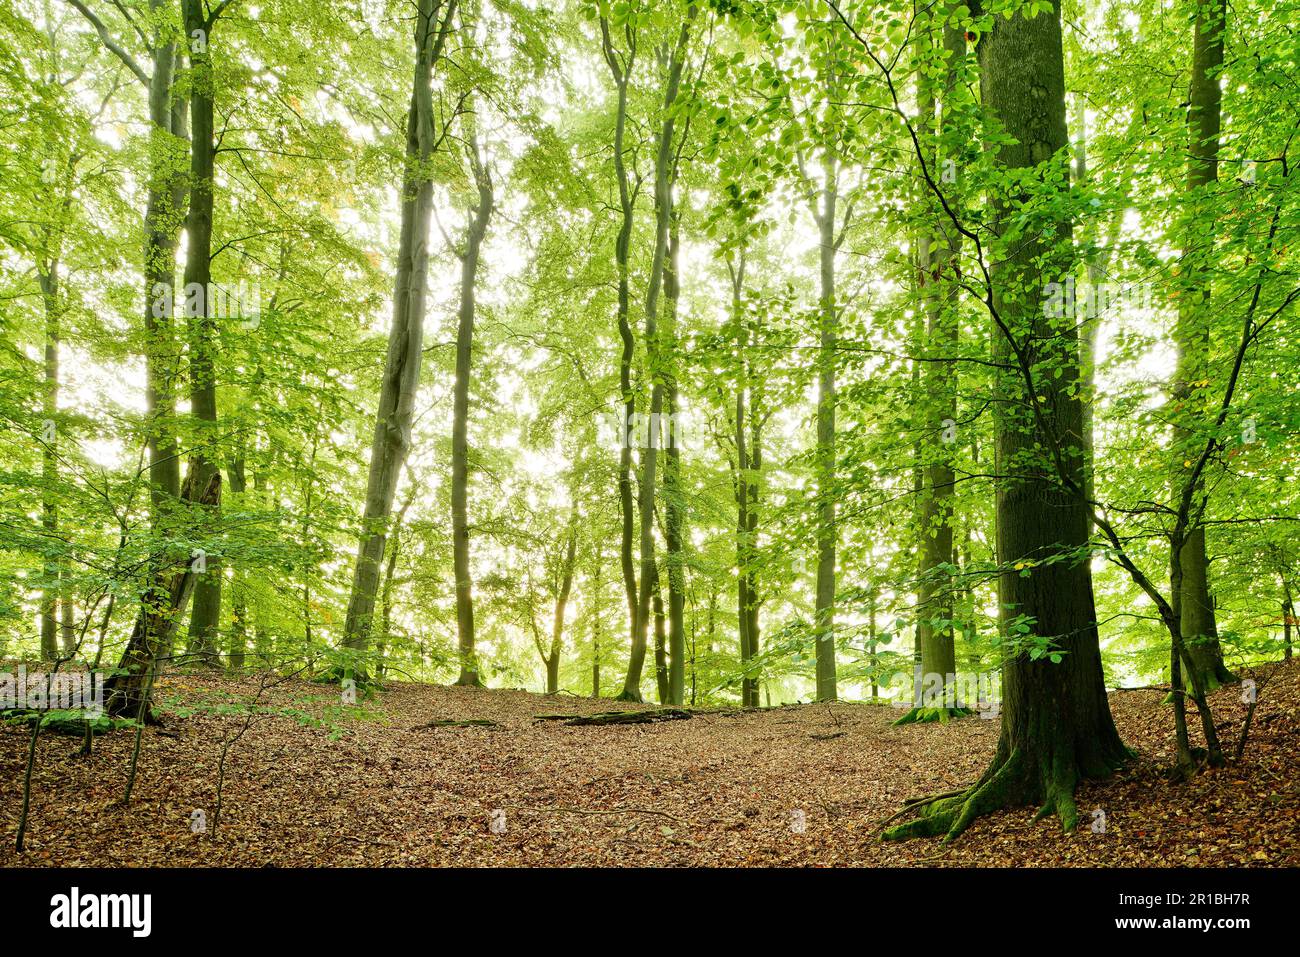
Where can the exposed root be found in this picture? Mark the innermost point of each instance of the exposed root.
(950, 816)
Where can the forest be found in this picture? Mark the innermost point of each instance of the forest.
(670, 432)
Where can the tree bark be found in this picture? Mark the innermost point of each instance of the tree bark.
(656, 352)
(674, 502)
(1056, 723)
(827, 530)
(392, 436)
(938, 252)
(478, 224)
(561, 602)
(161, 607)
(621, 69)
(1203, 654)
(205, 622)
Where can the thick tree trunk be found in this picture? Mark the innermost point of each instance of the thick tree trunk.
(392, 436)
(1056, 723)
(482, 213)
(1203, 655)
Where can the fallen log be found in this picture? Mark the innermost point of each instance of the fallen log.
(450, 723)
(619, 717)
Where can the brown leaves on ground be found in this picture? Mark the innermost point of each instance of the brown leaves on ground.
(313, 783)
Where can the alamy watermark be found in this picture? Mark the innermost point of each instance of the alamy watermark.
(1070, 300)
(980, 692)
(41, 691)
(242, 301)
(644, 430)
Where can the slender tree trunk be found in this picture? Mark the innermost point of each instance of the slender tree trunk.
(127, 690)
(595, 622)
(561, 602)
(238, 580)
(827, 530)
(939, 249)
(392, 436)
(200, 312)
(1192, 337)
(49, 280)
(747, 438)
(1288, 620)
(660, 638)
(656, 355)
(384, 640)
(164, 213)
(674, 502)
(620, 68)
(478, 224)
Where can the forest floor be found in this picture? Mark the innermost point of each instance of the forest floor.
(312, 782)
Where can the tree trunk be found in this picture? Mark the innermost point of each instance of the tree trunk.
(205, 622)
(1056, 723)
(656, 360)
(161, 607)
(661, 645)
(164, 213)
(1288, 621)
(478, 224)
(392, 436)
(595, 623)
(53, 569)
(1203, 655)
(386, 592)
(561, 601)
(938, 252)
(748, 431)
(620, 68)
(674, 503)
(238, 580)
(827, 531)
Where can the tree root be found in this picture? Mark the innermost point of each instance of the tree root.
(950, 816)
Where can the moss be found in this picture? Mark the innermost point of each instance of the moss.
(930, 715)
